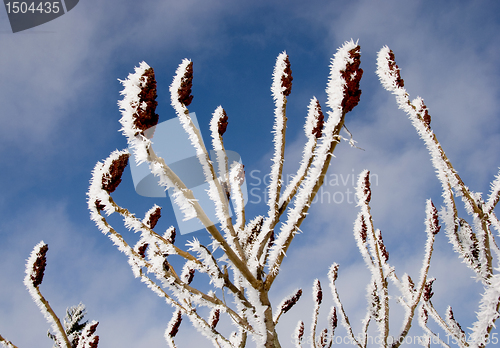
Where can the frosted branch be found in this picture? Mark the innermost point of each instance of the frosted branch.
(286, 304)
(180, 90)
(6, 343)
(35, 267)
(332, 276)
(318, 297)
(313, 129)
(299, 334)
(389, 74)
(342, 88)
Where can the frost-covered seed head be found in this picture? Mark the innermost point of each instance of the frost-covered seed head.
(318, 293)
(300, 331)
(39, 266)
(366, 189)
(394, 67)
(175, 326)
(286, 79)
(190, 276)
(142, 250)
(333, 320)
(334, 272)
(376, 306)
(364, 229)
(425, 315)
(113, 177)
(410, 282)
(153, 218)
(323, 340)
(214, 320)
(145, 116)
(184, 92)
(451, 318)
(434, 219)
(291, 302)
(427, 117)
(352, 75)
(383, 249)
(318, 129)
(98, 205)
(255, 230)
(222, 124)
(94, 343)
(271, 240)
(171, 237)
(93, 329)
(427, 294)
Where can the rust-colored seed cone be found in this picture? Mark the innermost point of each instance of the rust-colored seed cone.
(318, 130)
(153, 218)
(184, 91)
(394, 67)
(222, 125)
(352, 75)
(39, 266)
(146, 117)
(286, 79)
(111, 180)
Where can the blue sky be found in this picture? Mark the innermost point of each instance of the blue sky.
(59, 90)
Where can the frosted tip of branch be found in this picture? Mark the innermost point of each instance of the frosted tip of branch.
(286, 78)
(113, 177)
(363, 232)
(154, 217)
(214, 319)
(395, 69)
(145, 116)
(190, 276)
(427, 294)
(352, 76)
(363, 190)
(432, 218)
(319, 118)
(383, 249)
(222, 124)
(388, 71)
(170, 235)
(87, 334)
(299, 331)
(184, 91)
(288, 304)
(39, 264)
(142, 250)
(174, 324)
(333, 319)
(333, 272)
(318, 293)
(282, 77)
